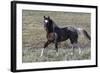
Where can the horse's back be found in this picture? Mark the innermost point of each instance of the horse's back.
(62, 34)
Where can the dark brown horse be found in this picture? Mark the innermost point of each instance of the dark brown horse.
(56, 34)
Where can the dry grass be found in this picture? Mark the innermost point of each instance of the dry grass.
(34, 36)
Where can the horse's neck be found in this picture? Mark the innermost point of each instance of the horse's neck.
(54, 25)
(52, 29)
(49, 30)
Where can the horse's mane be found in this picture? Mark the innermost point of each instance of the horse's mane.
(54, 24)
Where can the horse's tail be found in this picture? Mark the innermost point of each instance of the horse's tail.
(86, 34)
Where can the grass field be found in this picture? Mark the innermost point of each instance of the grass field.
(34, 36)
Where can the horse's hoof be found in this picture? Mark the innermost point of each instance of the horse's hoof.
(57, 54)
(71, 53)
(41, 55)
(80, 51)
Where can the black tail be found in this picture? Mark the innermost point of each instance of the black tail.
(86, 34)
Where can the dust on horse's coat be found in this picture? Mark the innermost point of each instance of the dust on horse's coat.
(56, 34)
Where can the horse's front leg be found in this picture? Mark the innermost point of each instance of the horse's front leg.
(45, 45)
(56, 47)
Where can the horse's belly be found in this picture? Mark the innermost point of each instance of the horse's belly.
(62, 38)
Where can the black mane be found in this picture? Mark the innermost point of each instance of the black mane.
(53, 27)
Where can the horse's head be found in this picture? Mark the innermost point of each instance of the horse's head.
(48, 24)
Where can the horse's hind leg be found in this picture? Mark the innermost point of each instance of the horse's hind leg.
(72, 47)
(45, 45)
(56, 46)
(76, 45)
(79, 49)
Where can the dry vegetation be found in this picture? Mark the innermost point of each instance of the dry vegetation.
(34, 36)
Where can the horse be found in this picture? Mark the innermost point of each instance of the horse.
(55, 34)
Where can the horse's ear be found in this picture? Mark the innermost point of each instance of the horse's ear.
(48, 17)
(44, 17)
